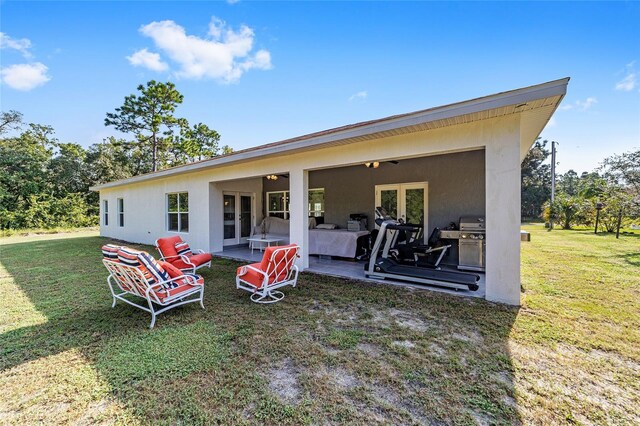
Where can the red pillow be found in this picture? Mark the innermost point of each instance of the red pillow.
(171, 270)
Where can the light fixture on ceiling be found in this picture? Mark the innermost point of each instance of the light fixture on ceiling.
(272, 177)
(372, 165)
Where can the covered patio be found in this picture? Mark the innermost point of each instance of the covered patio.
(463, 158)
(347, 269)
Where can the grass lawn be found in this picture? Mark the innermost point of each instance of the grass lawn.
(334, 351)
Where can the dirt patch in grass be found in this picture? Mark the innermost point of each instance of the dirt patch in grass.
(436, 349)
(469, 337)
(283, 381)
(408, 320)
(369, 349)
(339, 377)
(406, 344)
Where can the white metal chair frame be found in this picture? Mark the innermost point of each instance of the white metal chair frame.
(267, 293)
(130, 280)
(184, 258)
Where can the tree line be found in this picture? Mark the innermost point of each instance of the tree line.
(614, 187)
(44, 183)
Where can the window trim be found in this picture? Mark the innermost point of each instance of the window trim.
(120, 206)
(178, 213)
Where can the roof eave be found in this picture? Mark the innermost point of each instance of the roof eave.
(514, 97)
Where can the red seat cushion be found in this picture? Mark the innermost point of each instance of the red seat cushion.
(183, 285)
(171, 270)
(196, 259)
(277, 270)
(251, 276)
(167, 246)
(279, 262)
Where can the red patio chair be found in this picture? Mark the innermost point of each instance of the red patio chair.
(179, 254)
(276, 270)
(160, 284)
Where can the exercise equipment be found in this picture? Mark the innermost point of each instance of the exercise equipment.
(381, 265)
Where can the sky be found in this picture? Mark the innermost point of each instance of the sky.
(259, 72)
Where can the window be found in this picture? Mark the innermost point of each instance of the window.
(316, 202)
(278, 203)
(120, 212)
(105, 212)
(178, 211)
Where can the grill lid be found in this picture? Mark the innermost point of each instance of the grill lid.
(472, 223)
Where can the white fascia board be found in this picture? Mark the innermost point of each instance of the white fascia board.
(514, 97)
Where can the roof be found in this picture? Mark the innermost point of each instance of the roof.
(545, 96)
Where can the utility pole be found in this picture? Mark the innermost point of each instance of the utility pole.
(553, 179)
(599, 207)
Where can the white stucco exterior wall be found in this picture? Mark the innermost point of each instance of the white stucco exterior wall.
(145, 217)
(145, 202)
(503, 168)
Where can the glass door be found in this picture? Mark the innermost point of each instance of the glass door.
(229, 217)
(246, 217)
(389, 199)
(406, 201)
(238, 217)
(413, 203)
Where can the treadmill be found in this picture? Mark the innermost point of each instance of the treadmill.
(381, 266)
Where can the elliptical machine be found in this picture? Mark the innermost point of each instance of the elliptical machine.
(381, 265)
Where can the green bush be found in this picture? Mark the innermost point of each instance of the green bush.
(568, 210)
(45, 211)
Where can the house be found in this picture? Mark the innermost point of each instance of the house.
(453, 160)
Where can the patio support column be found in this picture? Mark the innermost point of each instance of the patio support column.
(502, 180)
(299, 213)
(216, 231)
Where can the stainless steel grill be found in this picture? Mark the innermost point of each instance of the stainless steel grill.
(472, 224)
(472, 243)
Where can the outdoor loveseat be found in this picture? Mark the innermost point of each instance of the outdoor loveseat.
(134, 274)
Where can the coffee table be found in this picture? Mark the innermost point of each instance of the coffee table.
(264, 242)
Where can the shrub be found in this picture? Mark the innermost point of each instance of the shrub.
(46, 212)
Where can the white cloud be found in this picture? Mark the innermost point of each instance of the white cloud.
(22, 45)
(586, 104)
(360, 95)
(25, 76)
(580, 105)
(630, 80)
(146, 59)
(223, 55)
(628, 83)
(232, 1)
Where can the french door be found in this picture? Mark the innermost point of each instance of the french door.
(238, 217)
(406, 201)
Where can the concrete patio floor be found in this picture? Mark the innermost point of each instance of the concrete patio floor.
(348, 269)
